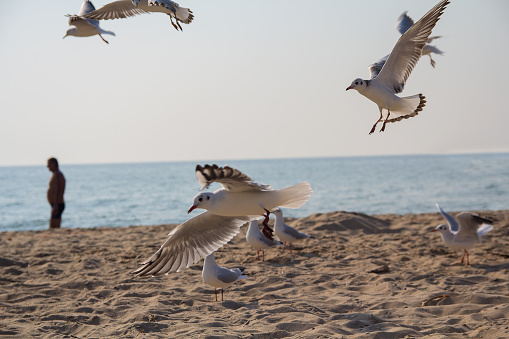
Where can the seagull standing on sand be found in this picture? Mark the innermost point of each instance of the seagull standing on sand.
(127, 8)
(463, 233)
(238, 202)
(219, 277)
(404, 23)
(258, 240)
(85, 27)
(286, 233)
(390, 79)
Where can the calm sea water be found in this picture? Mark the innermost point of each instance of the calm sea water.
(158, 193)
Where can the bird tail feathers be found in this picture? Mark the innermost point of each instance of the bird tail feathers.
(412, 106)
(295, 196)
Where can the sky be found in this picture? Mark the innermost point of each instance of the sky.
(245, 80)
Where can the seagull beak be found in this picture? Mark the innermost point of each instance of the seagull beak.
(349, 87)
(433, 230)
(192, 208)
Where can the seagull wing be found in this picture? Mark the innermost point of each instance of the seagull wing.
(115, 10)
(431, 38)
(408, 49)
(453, 224)
(195, 238)
(86, 8)
(168, 4)
(227, 276)
(231, 178)
(404, 23)
(470, 223)
(294, 233)
(375, 68)
(82, 23)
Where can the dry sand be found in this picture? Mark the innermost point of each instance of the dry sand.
(360, 276)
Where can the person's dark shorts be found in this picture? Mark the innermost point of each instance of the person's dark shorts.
(58, 215)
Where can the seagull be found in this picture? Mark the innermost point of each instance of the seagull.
(286, 233)
(127, 8)
(390, 79)
(237, 203)
(241, 196)
(85, 27)
(219, 277)
(463, 232)
(404, 23)
(258, 240)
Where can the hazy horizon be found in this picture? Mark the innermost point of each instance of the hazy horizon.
(244, 80)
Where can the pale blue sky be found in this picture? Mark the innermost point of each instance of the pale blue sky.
(247, 79)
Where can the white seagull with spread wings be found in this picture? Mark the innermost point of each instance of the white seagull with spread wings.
(85, 27)
(127, 8)
(389, 75)
(464, 232)
(238, 202)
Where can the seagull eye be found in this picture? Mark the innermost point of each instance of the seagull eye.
(208, 198)
(200, 199)
(356, 83)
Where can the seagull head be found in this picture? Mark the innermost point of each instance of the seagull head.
(201, 200)
(358, 84)
(70, 31)
(440, 228)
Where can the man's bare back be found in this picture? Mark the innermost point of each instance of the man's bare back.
(55, 194)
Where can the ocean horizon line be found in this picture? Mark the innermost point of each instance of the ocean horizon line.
(222, 161)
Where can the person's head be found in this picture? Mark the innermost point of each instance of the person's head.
(52, 164)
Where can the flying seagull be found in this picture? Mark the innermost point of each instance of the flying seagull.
(85, 27)
(464, 232)
(127, 8)
(388, 77)
(404, 23)
(238, 202)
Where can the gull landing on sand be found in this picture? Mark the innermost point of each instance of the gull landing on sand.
(85, 27)
(389, 74)
(219, 277)
(127, 8)
(238, 202)
(286, 233)
(404, 23)
(258, 240)
(464, 232)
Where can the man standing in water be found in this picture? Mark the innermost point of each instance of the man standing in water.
(56, 193)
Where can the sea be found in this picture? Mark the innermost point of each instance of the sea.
(118, 195)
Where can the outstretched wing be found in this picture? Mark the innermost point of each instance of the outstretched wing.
(408, 49)
(375, 68)
(115, 10)
(404, 23)
(195, 238)
(231, 178)
(86, 8)
(453, 224)
(470, 224)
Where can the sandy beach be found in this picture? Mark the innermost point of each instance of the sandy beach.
(359, 276)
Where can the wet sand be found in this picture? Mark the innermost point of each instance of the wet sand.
(359, 276)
